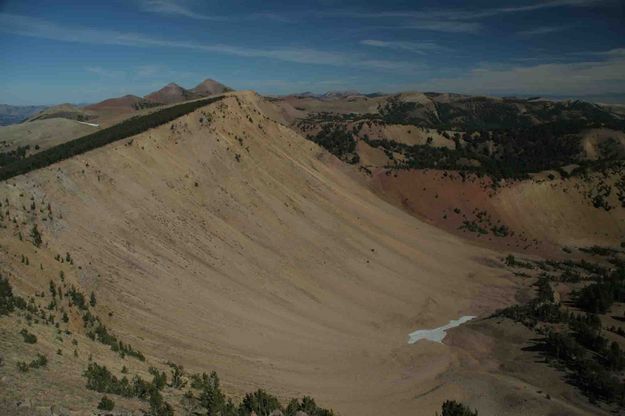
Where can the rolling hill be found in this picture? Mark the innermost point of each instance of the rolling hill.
(125, 103)
(12, 114)
(68, 111)
(41, 134)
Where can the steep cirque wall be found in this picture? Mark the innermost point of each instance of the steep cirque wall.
(561, 211)
(224, 240)
(545, 215)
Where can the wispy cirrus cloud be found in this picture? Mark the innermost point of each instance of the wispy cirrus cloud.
(104, 72)
(614, 53)
(542, 30)
(146, 71)
(416, 47)
(39, 28)
(190, 9)
(549, 5)
(460, 14)
(430, 20)
(183, 8)
(448, 26)
(605, 74)
(453, 20)
(450, 20)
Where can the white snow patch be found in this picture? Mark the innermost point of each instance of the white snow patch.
(436, 334)
(88, 124)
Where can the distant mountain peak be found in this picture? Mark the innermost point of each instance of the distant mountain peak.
(172, 86)
(170, 93)
(208, 81)
(209, 87)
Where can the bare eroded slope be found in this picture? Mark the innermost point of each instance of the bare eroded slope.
(226, 241)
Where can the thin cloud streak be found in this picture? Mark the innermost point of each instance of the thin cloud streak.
(440, 26)
(617, 52)
(104, 72)
(183, 8)
(458, 14)
(175, 8)
(542, 30)
(416, 47)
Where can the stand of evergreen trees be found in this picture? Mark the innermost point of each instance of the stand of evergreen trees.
(575, 340)
(8, 301)
(208, 394)
(504, 141)
(338, 141)
(12, 156)
(454, 408)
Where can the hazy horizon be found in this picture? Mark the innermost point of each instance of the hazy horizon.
(611, 99)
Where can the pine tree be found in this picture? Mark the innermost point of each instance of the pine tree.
(35, 236)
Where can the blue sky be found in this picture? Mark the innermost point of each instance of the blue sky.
(86, 51)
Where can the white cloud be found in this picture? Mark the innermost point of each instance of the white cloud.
(590, 77)
(187, 8)
(452, 20)
(549, 5)
(452, 26)
(431, 20)
(438, 20)
(416, 47)
(104, 72)
(146, 71)
(460, 14)
(39, 28)
(542, 30)
(175, 8)
(617, 52)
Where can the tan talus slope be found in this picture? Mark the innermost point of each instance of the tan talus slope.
(226, 241)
